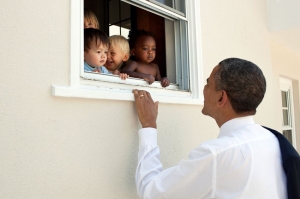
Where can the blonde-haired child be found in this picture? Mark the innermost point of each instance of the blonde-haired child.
(118, 53)
(90, 19)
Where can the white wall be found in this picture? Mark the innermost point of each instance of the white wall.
(70, 148)
(232, 30)
(283, 14)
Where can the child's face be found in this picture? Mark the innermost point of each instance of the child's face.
(96, 56)
(89, 24)
(115, 58)
(145, 49)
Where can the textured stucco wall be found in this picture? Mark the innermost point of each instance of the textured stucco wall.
(70, 148)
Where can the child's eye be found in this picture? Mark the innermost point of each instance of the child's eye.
(154, 49)
(145, 48)
(98, 51)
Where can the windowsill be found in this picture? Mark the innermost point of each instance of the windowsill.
(98, 77)
(120, 90)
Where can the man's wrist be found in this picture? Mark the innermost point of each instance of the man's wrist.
(149, 125)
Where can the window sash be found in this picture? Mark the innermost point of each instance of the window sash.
(157, 9)
(170, 8)
(287, 90)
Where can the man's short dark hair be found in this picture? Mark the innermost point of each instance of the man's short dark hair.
(244, 83)
(91, 35)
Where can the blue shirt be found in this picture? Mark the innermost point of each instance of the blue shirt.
(89, 68)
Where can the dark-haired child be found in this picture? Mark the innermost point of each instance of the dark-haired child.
(143, 51)
(96, 44)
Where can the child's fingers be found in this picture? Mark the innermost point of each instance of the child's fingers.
(165, 82)
(123, 76)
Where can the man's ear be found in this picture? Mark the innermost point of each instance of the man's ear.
(126, 57)
(223, 98)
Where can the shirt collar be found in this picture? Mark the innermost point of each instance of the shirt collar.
(228, 127)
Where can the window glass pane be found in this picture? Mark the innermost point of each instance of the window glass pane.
(125, 28)
(285, 117)
(284, 98)
(119, 18)
(288, 135)
(178, 5)
(114, 12)
(166, 2)
(117, 30)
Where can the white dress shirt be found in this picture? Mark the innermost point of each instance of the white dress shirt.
(243, 162)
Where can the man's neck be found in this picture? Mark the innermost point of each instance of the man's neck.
(229, 116)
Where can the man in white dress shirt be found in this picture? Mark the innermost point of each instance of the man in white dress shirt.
(243, 162)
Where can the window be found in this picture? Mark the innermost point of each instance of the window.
(288, 127)
(181, 50)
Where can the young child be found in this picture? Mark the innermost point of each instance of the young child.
(142, 49)
(118, 53)
(96, 45)
(90, 19)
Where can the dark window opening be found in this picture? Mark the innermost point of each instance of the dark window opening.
(165, 19)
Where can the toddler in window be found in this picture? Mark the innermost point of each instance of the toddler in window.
(96, 45)
(142, 49)
(118, 54)
(90, 19)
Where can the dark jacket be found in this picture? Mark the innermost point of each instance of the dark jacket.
(290, 163)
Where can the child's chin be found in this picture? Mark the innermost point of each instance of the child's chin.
(111, 68)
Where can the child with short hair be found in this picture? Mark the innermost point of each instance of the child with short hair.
(143, 51)
(118, 53)
(90, 19)
(96, 45)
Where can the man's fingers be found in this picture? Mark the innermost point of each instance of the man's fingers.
(149, 96)
(136, 94)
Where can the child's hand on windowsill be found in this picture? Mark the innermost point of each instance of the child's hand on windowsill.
(123, 76)
(149, 78)
(165, 82)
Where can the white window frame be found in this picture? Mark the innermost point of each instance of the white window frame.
(112, 87)
(286, 85)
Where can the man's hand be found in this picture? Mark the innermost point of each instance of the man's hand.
(146, 108)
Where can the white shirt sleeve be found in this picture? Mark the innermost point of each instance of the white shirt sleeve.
(189, 179)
